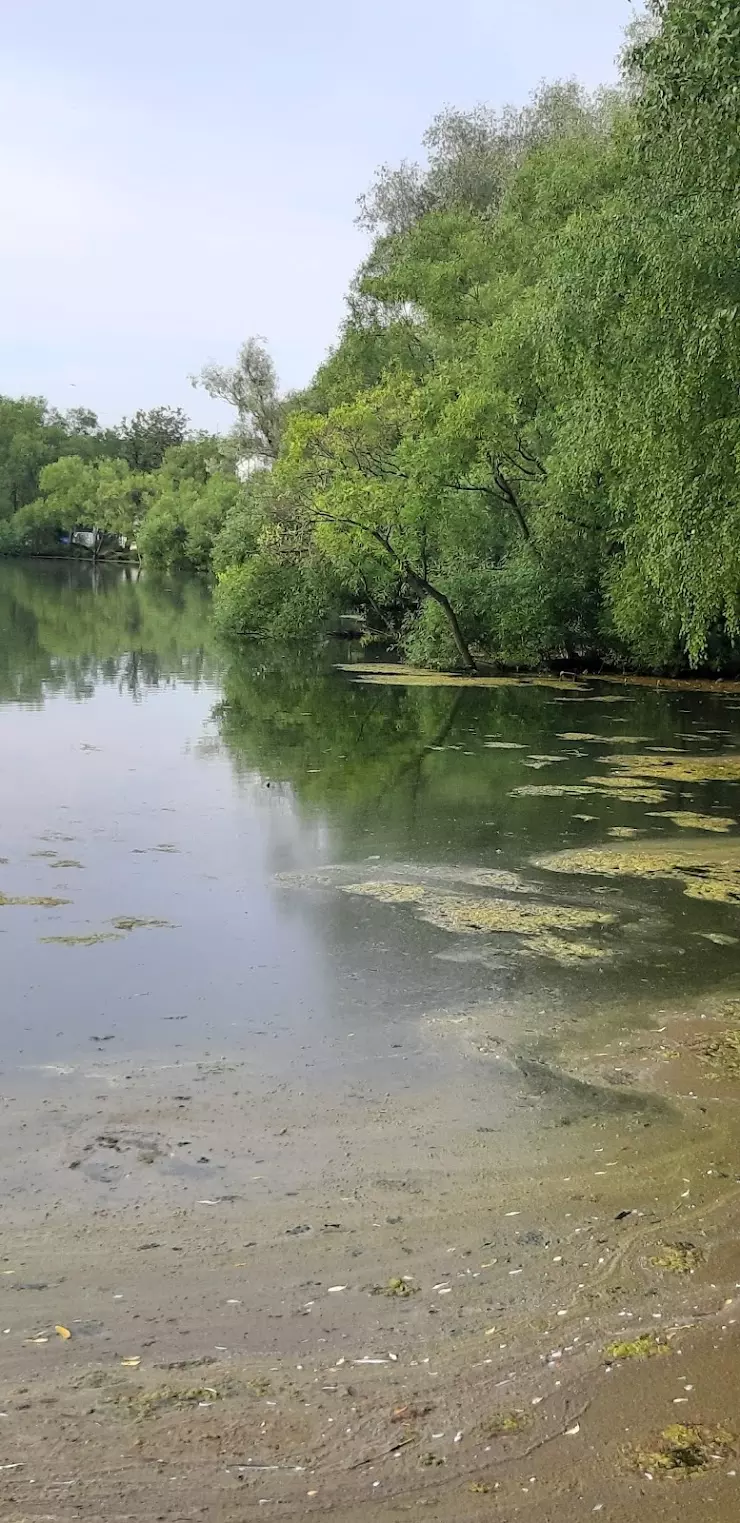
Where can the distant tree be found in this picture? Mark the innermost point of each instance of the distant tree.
(251, 387)
(145, 439)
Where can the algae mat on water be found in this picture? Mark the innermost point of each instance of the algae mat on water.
(708, 870)
(413, 676)
(543, 927)
(722, 768)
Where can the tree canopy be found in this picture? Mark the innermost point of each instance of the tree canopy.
(525, 444)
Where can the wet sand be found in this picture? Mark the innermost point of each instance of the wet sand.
(360, 1300)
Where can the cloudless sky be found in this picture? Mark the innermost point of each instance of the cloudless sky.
(178, 174)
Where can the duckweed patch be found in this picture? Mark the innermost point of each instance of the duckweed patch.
(646, 1346)
(686, 1447)
(542, 925)
(706, 871)
(678, 1258)
(686, 819)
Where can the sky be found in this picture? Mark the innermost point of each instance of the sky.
(179, 174)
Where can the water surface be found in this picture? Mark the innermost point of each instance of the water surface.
(236, 799)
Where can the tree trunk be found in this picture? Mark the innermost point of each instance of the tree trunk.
(444, 603)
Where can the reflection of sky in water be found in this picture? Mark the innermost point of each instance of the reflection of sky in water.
(179, 815)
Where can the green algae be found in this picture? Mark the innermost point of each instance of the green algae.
(707, 871)
(541, 925)
(646, 1346)
(686, 1447)
(553, 790)
(678, 1258)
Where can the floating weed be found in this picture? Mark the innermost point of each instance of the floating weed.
(628, 790)
(678, 1258)
(541, 925)
(604, 740)
(413, 676)
(687, 820)
(719, 938)
(46, 901)
(686, 1448)
(623, 832)
(707, 871)
(724, 768)
(647, 1346)
(138, 923)
(553, 790)
(82, 941)
(66, 862)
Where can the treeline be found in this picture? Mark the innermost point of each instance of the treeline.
(526, 443)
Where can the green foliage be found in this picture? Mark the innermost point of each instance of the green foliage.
(274, 598)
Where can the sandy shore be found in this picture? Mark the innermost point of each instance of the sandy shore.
(357, 1301)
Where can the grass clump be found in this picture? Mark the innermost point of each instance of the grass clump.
(646, 1346)
(686, 1447)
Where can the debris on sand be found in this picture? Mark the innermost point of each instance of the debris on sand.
(684, 1447)
(678, 1258)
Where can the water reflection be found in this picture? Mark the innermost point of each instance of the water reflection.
(65, 627)
(335, 860)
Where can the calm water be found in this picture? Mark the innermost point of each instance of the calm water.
(148, 774)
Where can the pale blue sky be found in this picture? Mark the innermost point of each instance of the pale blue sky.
(177, 174)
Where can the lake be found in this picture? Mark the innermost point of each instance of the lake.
(202, 816)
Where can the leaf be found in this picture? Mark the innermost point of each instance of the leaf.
(63, 1332)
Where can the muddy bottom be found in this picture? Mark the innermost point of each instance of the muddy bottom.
(224, 1297)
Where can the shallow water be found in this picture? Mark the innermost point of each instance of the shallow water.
(321, 853)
